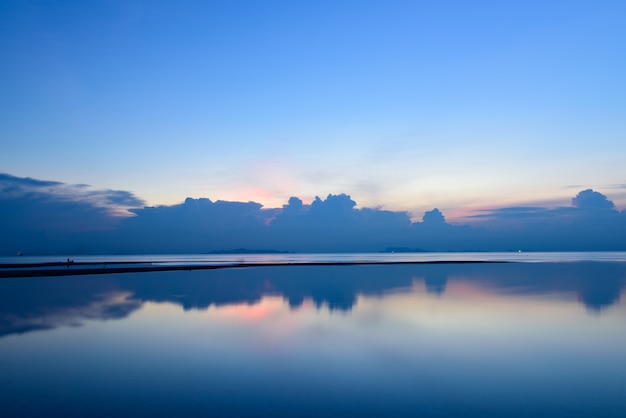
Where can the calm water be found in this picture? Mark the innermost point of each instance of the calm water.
(488, 340)
(531, 257)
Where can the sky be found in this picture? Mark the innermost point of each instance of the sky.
(403, 105)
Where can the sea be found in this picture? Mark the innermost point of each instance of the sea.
(516, 334)
(294, 258)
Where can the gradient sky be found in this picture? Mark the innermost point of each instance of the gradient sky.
(406, 105)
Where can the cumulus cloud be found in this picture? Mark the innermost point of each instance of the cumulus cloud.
(335, 224)
(589, 199)
(52, 217)
(434, 217)
(591, 224)
(584, 202)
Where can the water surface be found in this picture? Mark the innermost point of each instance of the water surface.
(295, 258)
(488, 340)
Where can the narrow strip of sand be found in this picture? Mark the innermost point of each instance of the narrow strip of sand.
(79, 269)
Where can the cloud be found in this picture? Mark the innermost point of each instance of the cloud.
(514, 211)
(434, 217)
(335, 224)
(584, 202)
(588, 199)
(201, 225)
(520, 213)
(116, 201)
(43, 216)
(116, 198)
(10, 183)
(591, 224)
(52, 217)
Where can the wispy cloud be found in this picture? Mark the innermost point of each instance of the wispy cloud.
(116, 202)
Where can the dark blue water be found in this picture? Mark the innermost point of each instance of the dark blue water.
(489, 340)
(288, 258)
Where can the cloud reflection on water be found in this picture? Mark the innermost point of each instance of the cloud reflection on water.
(46, 303)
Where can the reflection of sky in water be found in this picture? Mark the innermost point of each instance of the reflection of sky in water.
(489, 340)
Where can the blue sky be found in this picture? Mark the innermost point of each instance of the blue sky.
(405, 105)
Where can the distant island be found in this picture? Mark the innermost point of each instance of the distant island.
(403, 250)
(248, 251)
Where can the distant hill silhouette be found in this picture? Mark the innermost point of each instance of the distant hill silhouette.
(247, 251)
